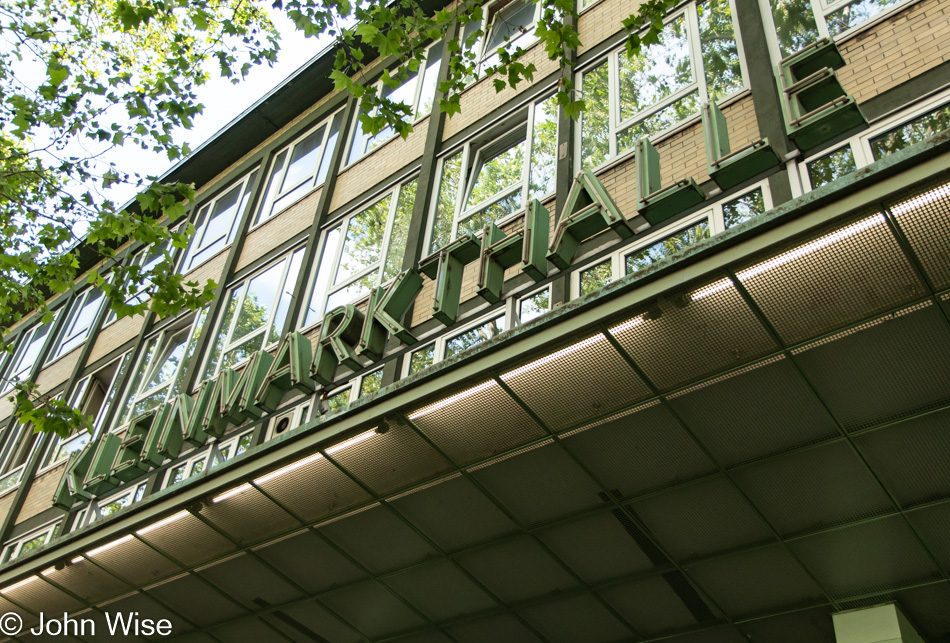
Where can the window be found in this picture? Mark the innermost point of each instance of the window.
(697, 59)
(492, 181)
(159, 373)
(417, 93)
(800, 22)
(507, 24)
(534, 305)
(19, 444)
(255, 313)
(300, 167)
(672, 240)
(451, 345)
(79, 320)
(211, 457)
(891, 135)
(30, 542)
(128, 496)
(365, 250)
(27, 351)
(93, 397)
(216, 223)
(146, 259)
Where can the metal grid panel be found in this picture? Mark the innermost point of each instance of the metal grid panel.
(501, 627)
(373, 610)
(846, 274)
(248, 630)
(693, 333)
(725, 634)
(187, 539)
(933, 525)
(638, 450)
(811, 625)
(759, 410)
(441, 591)
(701, 519)
(29, 619)
(814, 488)
(312, 488)
(597, 547)
(652, 606)
(538, 484)
(911, 458)
(393, 457)
(428, 636)
(927, 609)
(194, 600)
(761, 580)
(517, 569)
(87, 581)
(377, 539)
(310, 621)
(453, 513)
(882, 369)
(229, 512)
(133, 561)
(476, 423)
(146, 606)
(924, 218)
(866, 558)
(101, 625)
(39, 596)
(585, 380)
(310, 562)
(232, 576)
(578, 618)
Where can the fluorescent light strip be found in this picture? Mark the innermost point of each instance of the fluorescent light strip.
(76, 560)
(590, 341)
(108, 546)
(627, 325)
(927, 198)
(230, 494)
(711, 289)
(812, 246)
(161, 523)
(356, 440)
(451, 400)
(25, 581)
(290, 467)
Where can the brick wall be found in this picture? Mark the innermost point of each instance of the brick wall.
(388, 158)
(210, 269)
(603, 20)
(58, 372)
(39, 498)
(899, 48)
(279, 229)
(114, 336)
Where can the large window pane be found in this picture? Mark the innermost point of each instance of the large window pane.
(669, 246)
(720, 49)
(496, 172)
(322, 281)
(854, 14)
(474, 336)
(659, 72)
(400, 231)
(919, 129)
(596, 277)
(543, 149)
(748, 206)
(831, 166)
(445, 207)
(363, 244)
(794, 24)
(595, 120)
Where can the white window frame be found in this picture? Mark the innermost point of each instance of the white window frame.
(861, 143)
(142, 295)
(200, 246)
(93, 511)
(272, 195)
(616, 125)
(15, 447)
(69, 337)
(524, 41)
(231, 342)
(471, 153)
(712, 215)
(204, 455)
(441, 341)
(18, 366)
(12, 550)
(298, 414)
(417, 115)
(514, 314)
(342, 224)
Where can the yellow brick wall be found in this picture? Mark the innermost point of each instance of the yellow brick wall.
(210, 269)
(5, 503)
(58, 372)
(6, 408)
(899, 48)
(39, 498)
(481, 98)
(620, 181)
(279, 229)
(603, 20)
(114, 336)
(388, 158)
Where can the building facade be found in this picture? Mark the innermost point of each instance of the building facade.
(678, 370)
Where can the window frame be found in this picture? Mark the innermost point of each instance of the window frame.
(19, 445)
(417, 116)
(24, 344)
(67, 335)
(15, 546)
(270, 197)
(200, 251)
(711, 214)
(525, 41)
(471, 152)
(204, 455)
(616, 124)
(861, 143)
(92, 512)
(230, 343)
(341, 224)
